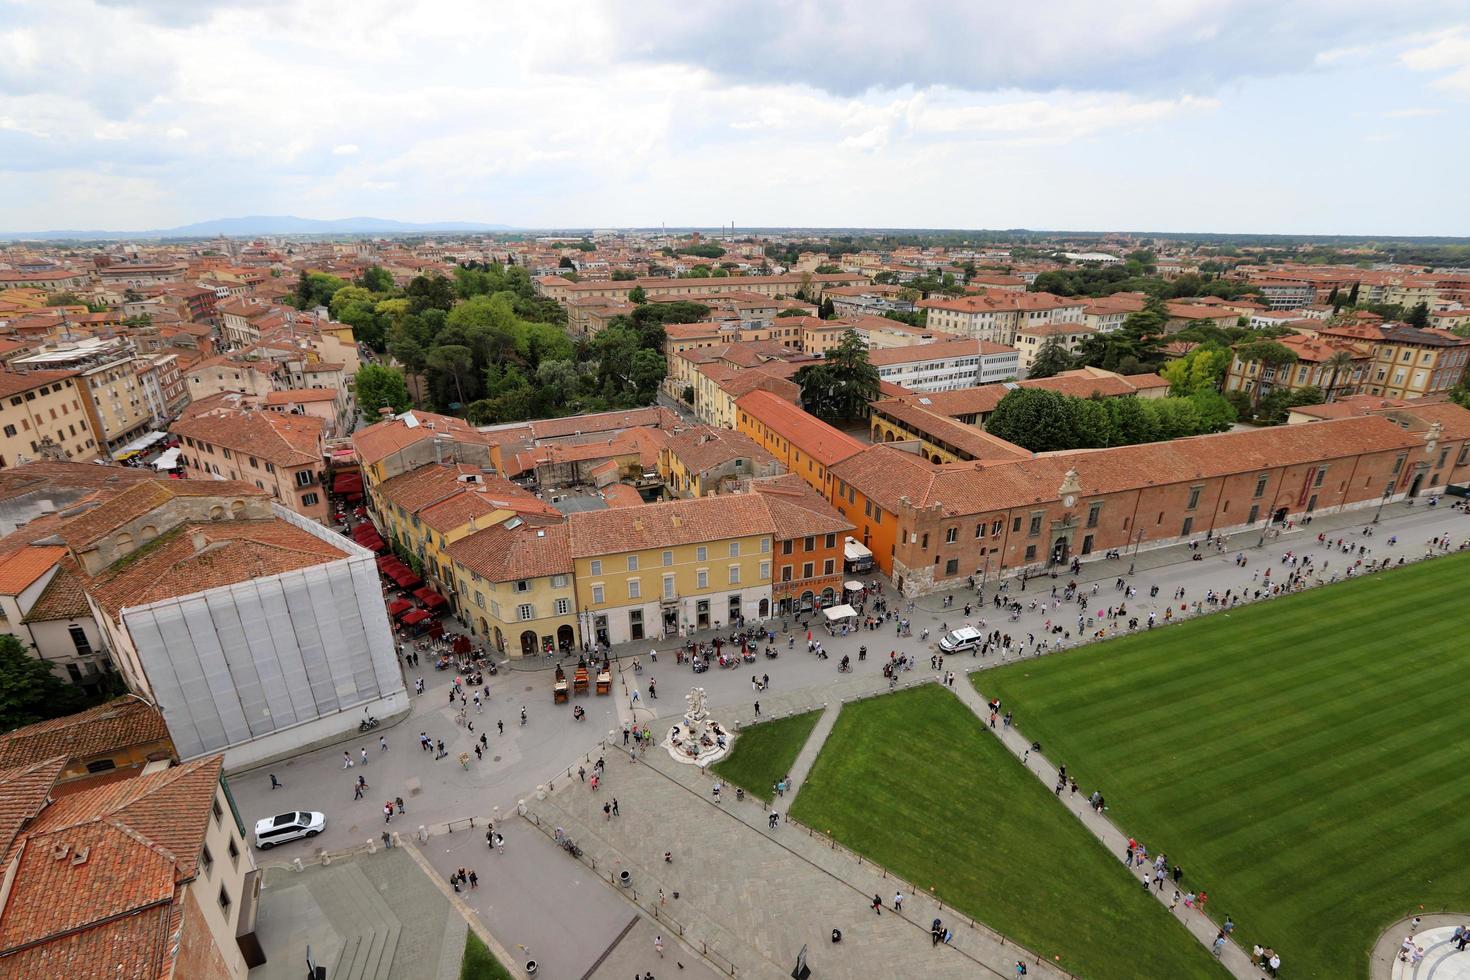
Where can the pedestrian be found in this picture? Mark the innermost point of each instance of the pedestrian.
(500, 725)
(382, 744)
(757, 709)
(607, 812)
(346, 761)
(582, 773)
(936, 930)
(275, 783)
(898, 901)
(878, 904)
(357, 791)
(425, 742)
(398, 802)
(474, 880)
(658, 945)
(1175, 902)
(615, 806)
(1218, 946)
(1021, 964)
(387, 812)
(364, 755)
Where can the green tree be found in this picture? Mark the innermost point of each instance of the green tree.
(316, 289)
(1201, 369)
(843, 384)
(1213, 411)
(454, 361)
(1268, 353)
(1418, 316)
(433, 292)
(381, 387)
(637, 296)
(1339, 362)
(1274, 408)
(29, 692)
(376, 279)
(1051, 359)
(1035, 419)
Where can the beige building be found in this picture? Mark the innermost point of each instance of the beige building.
(280, 453)
(998, 317)
(1030, 340)
(124, 393)
(43, 415)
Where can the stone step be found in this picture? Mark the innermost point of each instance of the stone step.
(371, 928)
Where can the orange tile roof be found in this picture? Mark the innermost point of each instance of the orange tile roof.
(668, 524)
(24, 791)
(796, 509)
(702, 448)
(119, 723)
(12, 383)
(503, 554)
(139, 499)
(63, 598)
(280, 438)
(808, 433)
(292, 396)
(622, 495)
(391, 435)
(24, 566)
(234, 551)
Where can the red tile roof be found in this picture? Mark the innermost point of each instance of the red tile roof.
(668, 524)
(503, 554)
(118, 724)
(23, 566)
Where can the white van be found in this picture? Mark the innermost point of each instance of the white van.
(283, 827)
(964, 638)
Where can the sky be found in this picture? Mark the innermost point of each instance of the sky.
(1286, 116)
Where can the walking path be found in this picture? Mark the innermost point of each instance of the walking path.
(1203, 928)
(807, 757)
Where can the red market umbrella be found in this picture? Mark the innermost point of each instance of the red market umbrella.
(385, 560)
(415, 617)
(423, 593)
(434, 601)
(398, 607)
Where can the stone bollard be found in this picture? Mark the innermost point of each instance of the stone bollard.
(495, 814)
(298, 865)
(541, 792)
(423, 834)
(397, 840)
(521, 807)
(372, 846)
(326, 859)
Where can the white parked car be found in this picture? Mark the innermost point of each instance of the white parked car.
(287, 827)
(964, 638)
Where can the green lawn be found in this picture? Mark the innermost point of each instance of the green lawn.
(915, 782)
(479, 963)
(764, 753)
(1303, 759)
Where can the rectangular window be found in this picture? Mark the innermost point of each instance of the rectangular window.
(701, 553)
(558, 581)
(597, 594)
(1254, 514)
(563, 607)
(996, 528)
(523, 585)
(1093, 513)
(734, 574)
(525, 611)
(1031, 552)
(206, 859)
(807, 569)
(766, 569)
(734, 549)
(309, 499)
(480, 599)
(1193, 499)
(635, 588)
(218, 812)
(79, 640)
(234, 853)
(1261, 482)
(596, 568)
(1188, 526)
(224, 901)
(786, 547)
(829, 567)
(1035, 525)
(951, 535)
(632, 563)
(952, 566)
(1398, 464)
(668, 558)
(831, 541)
(765, 546)
(701, 579)
(786, 573)
(668, 586)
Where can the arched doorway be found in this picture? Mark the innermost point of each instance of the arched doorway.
(805, 604)
(1416, 485)
(484, 627)
(565, 637)
(1279, 517)
(1060, 551)
(499, 640)
(765, 608)
(528, 643)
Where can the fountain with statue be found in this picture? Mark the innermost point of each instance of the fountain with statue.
(698, 739)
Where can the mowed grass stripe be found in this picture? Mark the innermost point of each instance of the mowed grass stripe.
(915, 782)
(763, 753)
(1301, 758)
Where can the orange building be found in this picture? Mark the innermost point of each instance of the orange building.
(807, 446)
(809, 535)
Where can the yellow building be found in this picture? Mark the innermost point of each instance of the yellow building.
(428, 509)
(515, 586)
(662, 569)
(701, 461)
(43, 416)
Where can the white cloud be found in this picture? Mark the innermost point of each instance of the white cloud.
(177, 133)
(344, 149)
(1448, 53)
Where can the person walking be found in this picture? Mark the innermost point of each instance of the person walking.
(878, 904)
(615, 806)
(398, 802)
(474, 880)
(757, 709)
(346, 760)
(382, 744)
(357, 791)
(898, 901)
(364, 755)
(275, 783)
(658, 946)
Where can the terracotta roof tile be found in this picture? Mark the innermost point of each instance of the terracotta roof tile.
(703, 448)
(117, 724)
(24, 791)
(280, 438)
(667, 524)
(63, 598)
(502, 554)
(22, 567)
(811, 435)
(796, 509)
(139, 499)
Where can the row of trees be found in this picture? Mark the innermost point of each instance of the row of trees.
(1046, 421)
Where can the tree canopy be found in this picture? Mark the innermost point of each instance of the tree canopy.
(1046, 421)
(29, 692)
(381, 387)
(842, 384)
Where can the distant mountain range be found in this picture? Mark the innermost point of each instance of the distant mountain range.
(270, 224)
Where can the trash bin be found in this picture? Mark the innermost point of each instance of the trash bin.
(625, 878)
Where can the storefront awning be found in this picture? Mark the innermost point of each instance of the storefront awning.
(834, 613)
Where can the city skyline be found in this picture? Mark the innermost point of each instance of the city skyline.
(1204, 117)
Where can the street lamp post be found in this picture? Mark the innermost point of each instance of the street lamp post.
(984, 575)
(1383, 500)
(1137, 543)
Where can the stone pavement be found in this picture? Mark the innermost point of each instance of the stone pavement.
(1442, 959)
(365, 917)
(523, 758)
(752, 895)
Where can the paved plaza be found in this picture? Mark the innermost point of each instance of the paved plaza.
(773, 899)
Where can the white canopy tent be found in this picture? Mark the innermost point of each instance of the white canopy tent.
(168, 460)
(139, 444)
(844, 611)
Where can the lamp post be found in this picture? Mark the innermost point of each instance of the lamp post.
(1383, 500)
(1137, 542)
(984, 574)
